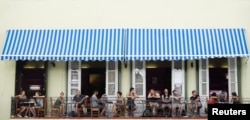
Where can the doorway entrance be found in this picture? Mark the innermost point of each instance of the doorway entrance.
(93, 77)
(158, 76)
(218, 75)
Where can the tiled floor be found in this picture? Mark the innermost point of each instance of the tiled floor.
(116, 118)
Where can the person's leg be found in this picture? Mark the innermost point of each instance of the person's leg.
(76, 107)
(32, 110)
(103, 109)
(84, 109)
(27, 110)
(21, 111)
(156, 107)
(180, 109)
(151, 105)
(195, 107)
(114, 108)
(163, 107)
(61, 110)
(169, 106)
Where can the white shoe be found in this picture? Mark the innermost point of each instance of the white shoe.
(18, 115)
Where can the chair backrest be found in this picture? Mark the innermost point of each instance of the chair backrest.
(17, 100)
(44, 103)
(124, 101)
(51, 103)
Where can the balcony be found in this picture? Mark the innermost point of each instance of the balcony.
(49, 112)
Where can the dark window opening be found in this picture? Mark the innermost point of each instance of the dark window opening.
(31, 77)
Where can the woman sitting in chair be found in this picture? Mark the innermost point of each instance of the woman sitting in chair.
(59, 103)
(131, 96)
(235, 99)
(24, 106)
(119, 102)
(38, 98)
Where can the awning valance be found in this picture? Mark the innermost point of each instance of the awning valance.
(185, 44)
(66, 45)
(124, 44)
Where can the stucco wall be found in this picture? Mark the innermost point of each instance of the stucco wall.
(57, 79)
(39, 14)
(7, 87)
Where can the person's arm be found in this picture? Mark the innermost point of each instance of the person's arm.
(61, 99)
(74, 100)
(225, 97)
(135, 95)
(128, 95)
(157, 95)
(149, 95)
(197, 99)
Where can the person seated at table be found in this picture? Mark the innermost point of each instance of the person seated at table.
(213, 99)
(59, 103)
(131, 96)
(38, 98)
(195, 102)
(24, 104)
(223, 96)
(166, 101)
(235, 99)
(119, 102)
(78, 101)
(153, 98)
(96, 103)
(22, 98)
(176, 100)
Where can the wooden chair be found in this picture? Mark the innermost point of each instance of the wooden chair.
(53, 109)
(42, 110)
(93, 110)
(80, 110)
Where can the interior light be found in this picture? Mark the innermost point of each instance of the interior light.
(35, 87)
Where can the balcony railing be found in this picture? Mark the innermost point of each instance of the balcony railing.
(142, 105)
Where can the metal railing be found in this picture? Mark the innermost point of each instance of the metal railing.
(141, 106)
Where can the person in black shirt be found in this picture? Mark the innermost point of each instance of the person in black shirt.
(195, 102)
(166, 101)
(78, 101)
(153, 97)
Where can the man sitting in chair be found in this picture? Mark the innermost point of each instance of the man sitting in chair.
(153, 97)
(166, 101)
(195, 102)
(96, 103)
(176, 103)
(78, 101)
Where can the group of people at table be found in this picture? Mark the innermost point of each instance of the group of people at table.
(155, 101)
(29, 105)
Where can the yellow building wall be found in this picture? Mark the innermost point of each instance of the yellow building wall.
(191, 78)
(125, 78)
(57, 79)
(7, 87)
(245, 78)
(67, 14)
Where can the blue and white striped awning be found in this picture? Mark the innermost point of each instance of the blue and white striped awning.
(108, 44)
(65, 45)
(185, 44)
